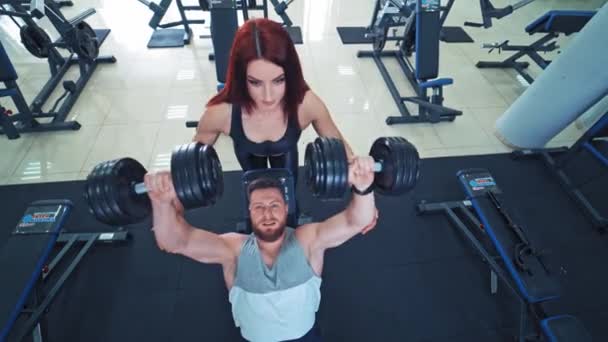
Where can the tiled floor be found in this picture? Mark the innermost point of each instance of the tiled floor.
(137, 106)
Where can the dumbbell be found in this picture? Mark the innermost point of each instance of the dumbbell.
(396, 165)
(116, 194)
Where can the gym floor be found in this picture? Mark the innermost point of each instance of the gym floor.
(414, 278)
(137, 107)
(411, 279)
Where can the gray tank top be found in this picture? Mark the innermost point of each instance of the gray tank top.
(277, 303)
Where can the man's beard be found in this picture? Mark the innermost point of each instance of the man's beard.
(261, 233)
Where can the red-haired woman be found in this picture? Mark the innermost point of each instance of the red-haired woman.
(265, 103)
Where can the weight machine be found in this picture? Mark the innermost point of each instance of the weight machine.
(422, 22)
(77, 37)
(489, 12)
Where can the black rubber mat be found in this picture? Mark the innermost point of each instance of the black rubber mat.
(412, 278)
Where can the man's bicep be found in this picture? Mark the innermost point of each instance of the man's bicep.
(333, 232)
(208, 247)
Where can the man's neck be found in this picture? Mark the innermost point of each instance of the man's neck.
(271, 249)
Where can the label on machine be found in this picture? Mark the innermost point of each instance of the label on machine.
(430, 5)
(42, 219)
(478, 182)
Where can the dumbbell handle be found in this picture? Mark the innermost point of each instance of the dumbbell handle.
(140, 188)
(378, 167)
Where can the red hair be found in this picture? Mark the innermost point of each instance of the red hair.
(276, 46)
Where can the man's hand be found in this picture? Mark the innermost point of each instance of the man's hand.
(361, 176)
(361, 172)
(166, 212)
(161, 191)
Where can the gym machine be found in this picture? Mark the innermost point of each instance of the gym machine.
(164, 35)
(557, 160)
(421, 36)
(77, 37)
(31, 260)
(489, 12)
(484, 219)
(224, 24)
(390, 11)
(552, 24)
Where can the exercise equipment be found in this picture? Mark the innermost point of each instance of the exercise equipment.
(391, 13)
(114, 189)
(29, 258)
(488, 12)
(164, 36)
(558, 159)
(553, 23)
(571, 85)
(484, 218)
(397, 166)
(224, 24)
(35, 40)
(77, 38)
(424, 41)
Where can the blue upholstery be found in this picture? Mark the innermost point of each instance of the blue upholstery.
(440, 82)
(7, 71)
(566, 22)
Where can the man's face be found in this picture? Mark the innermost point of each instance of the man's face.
(268, 212)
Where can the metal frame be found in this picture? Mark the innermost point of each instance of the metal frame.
(427, 111)
(556, 159)
(488, 11)
(544, 44)
(252, 5)
(450, 209)
(37, 325)
(27, 118)
(430, 108)
(159, 13)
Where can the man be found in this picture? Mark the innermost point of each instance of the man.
(274, 274)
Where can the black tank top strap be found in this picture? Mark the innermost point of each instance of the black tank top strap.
(237, 132)
(293, 129)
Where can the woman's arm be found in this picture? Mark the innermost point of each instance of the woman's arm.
(213, 122)
(317, 113)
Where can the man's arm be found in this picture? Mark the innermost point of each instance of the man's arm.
(175, 235)
(358, 215)
(341, 227)
(322, 121)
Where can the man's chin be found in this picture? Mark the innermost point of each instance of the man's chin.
(267, 236)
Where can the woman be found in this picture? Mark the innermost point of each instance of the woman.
(265, 103)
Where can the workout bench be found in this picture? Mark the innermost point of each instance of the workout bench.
(553, 23)
(26, 262)
(557, 159)
(518, 263)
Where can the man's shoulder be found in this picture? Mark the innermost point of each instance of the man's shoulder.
(234, 241)
(306, 234)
